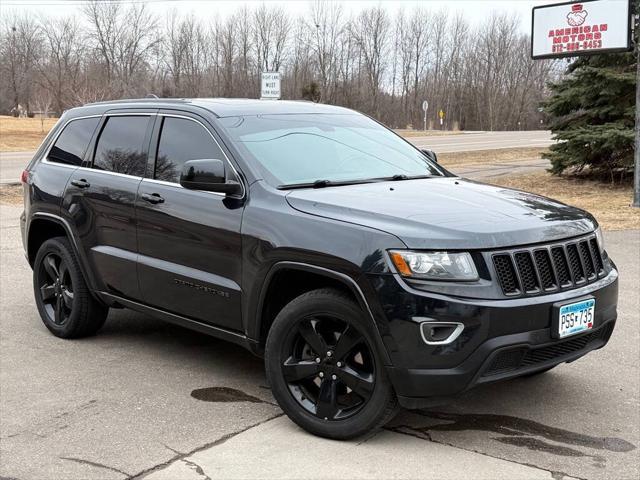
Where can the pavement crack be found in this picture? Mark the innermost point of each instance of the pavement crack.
(215, 443)
(95, 464)
(407, 430)
(172, 449)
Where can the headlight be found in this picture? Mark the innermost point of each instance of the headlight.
(600, 239)
(434, 265)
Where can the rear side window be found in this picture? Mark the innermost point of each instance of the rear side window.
(71, 144)
(182, 140)
(120, 147)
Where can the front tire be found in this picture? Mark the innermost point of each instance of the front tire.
(64, 302)
(324, 369)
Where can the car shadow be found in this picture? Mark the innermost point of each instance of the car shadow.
(127, 330)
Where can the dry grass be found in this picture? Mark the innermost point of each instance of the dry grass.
(11, 194)
(18, 134)
(608, 203)
(480, 157)
(408, 133)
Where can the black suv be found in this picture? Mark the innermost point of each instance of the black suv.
(366, 274)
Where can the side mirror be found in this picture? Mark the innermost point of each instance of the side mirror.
(431, 155)
(208, 175)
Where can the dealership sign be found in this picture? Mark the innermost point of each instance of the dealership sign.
(579, 28)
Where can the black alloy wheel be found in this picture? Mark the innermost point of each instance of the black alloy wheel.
(324, 367)
(56, 288)
(329, 368)
(66, 306)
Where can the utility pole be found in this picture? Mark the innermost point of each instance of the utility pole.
(636, 173)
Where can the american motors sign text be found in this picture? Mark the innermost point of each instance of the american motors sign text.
(570, 29)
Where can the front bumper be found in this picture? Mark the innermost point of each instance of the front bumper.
(502, 338)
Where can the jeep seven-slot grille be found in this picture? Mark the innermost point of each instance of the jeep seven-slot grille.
(548, 268)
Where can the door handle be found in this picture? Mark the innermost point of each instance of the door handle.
(152, 198)
(82, 183)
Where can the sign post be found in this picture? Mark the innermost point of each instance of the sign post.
(270, 85)
(589, 27)
(441, 115)
(425, 107)
(636, 156)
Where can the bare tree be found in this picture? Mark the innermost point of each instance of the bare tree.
(60, 68)
(20, 49)
(375, 62)
(327, 26)
(370, 33)
(270, 29)
(124, 39)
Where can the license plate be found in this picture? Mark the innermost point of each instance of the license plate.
(576, 317)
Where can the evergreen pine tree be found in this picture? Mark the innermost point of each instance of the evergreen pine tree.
(592, 113)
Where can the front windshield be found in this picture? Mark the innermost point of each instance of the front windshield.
(294, 149)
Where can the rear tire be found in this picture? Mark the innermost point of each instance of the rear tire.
(64, 301)
(324, 369)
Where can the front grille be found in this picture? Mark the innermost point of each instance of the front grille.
(562, 268)
(548, 268)
(524, 263)
(521, 357)
(585, 253)
(574, 262)
(506, 273)
(547, 278)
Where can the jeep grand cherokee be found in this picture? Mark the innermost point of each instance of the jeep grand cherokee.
(367, 275)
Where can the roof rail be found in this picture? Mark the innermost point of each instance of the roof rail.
(141, 100)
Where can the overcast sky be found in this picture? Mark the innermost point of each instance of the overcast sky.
(475, 10)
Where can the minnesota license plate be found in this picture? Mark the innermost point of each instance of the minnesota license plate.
(576, 317)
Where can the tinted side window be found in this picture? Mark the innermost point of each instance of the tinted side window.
(73, 141)
(182, 140)
(120, 147)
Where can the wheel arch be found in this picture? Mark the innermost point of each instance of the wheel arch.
(44, 226)
(41, 230)
(305, 277)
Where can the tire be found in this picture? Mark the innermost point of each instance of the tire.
(64, 301)
(314, 387)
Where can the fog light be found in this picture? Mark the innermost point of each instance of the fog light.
(440, 333)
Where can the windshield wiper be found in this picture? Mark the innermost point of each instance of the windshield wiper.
(323, 183)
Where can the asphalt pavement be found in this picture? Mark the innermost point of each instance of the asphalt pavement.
(12, 163)
(473, 141)
(144, 399)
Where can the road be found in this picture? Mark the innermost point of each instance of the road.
(473, 141)
(148, 399)
(12, 163)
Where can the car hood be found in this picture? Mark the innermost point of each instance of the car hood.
(447, 213)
